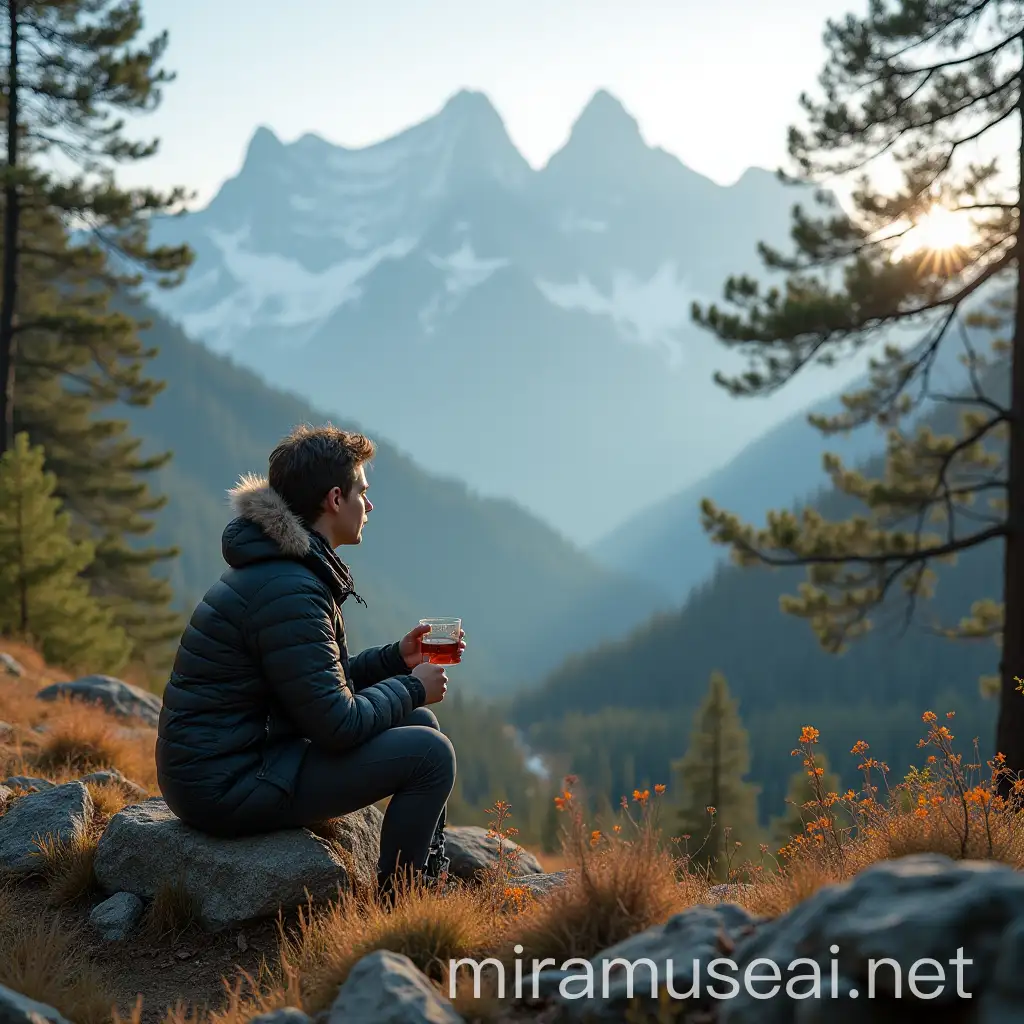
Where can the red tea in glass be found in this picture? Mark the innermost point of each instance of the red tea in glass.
(441, 645)
(441, 651)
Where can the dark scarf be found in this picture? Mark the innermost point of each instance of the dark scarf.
(342, 584)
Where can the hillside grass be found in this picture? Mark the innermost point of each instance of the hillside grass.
(622, 877)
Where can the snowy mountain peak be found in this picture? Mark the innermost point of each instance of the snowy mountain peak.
(263, 146)
(605, 123)
(565, 293)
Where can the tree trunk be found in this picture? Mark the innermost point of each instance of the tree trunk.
(10, 236)
(718, 846)
(1010, 730)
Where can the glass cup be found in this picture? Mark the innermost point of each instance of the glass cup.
(441, 645)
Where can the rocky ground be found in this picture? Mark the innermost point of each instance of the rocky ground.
(923, 936)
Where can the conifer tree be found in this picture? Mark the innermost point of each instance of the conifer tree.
(793, 821)
(43, 598)
(71, 68)
(711, 775)
(909, 271)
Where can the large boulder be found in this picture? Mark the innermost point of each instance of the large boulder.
(602, 988)
(388, 988)
(27, 783)
(922, 913)
(358, 835)
(115, 695)
(229, 881)
(59, 812)
(472, 850)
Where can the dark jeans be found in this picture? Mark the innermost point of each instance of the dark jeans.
(413, 763)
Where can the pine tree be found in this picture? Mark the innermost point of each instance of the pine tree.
(794, 821)
(711, 775)
(918, 83)
(43, 597)
(72, 66)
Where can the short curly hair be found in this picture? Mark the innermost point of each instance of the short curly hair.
(307, 463)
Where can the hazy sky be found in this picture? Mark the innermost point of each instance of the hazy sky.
(714, 83)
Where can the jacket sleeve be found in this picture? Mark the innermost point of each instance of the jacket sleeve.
(292, 629)
(374, 664)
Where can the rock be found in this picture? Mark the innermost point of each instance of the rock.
(358, 834)
(28, 782)
(111, 775)
(387, 988)
(922, 907)
(729, 892)
(231, 881)
(471, 850)
(6, 732)
(117, 697)
(18, 1009)
(284, 1015)
(60, 811)
(540, 885)
(11, 665)
(700, 933)
(5, 795)
(114, 918)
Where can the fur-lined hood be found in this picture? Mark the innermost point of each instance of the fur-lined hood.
(254, 499)
(265, 529)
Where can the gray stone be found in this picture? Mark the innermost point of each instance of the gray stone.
(115, 917)
(60, 812)
(387, 988)
(230, 881)
(358, 834)
(1002, 1002)
(11, 665)
(6, 732)
(5, 795)
(116, 696)
(111, 775)
(914, 908)
(540, 885)
(472, 850)
(729, 892)
(28, 782)
(662, 954)
(18, 1009)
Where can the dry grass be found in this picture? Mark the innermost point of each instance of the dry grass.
(622, 879)
(67, 865)
(172, 910)
(82, 739)
(75, 738)
(428, 928)
(41, 958)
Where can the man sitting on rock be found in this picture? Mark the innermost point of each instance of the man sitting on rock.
(267, 722)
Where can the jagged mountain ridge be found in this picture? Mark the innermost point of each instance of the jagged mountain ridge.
(527, 331)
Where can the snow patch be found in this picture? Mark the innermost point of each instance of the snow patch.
(463, 270)
(275, 291)
(572, 224)
(647, 312)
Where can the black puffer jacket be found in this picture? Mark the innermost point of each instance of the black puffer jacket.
(262, 670)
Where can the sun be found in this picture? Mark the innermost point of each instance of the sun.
(941, 234)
